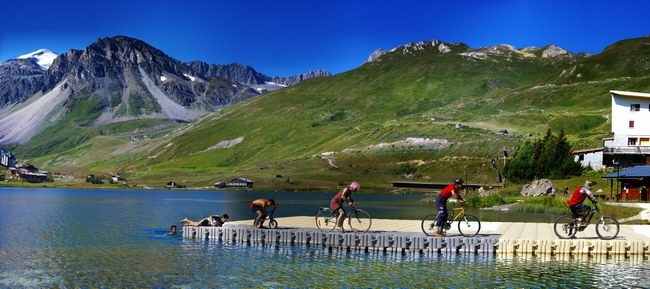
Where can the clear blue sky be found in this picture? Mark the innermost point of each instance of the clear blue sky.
(288, 37)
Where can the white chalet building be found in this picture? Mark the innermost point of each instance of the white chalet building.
(630, 144)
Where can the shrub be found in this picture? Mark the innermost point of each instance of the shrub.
(473, 201)
(492, 200)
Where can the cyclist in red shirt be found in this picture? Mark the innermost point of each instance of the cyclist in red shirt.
(452, 189)
(578, 209)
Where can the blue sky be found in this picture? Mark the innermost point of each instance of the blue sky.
(288, 37)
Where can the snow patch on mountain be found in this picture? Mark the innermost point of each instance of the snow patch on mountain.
(43, 57)
(192, 78)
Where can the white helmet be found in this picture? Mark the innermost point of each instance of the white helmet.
(589, 184)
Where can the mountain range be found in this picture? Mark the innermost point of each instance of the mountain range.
(422, 111)
(125, 79)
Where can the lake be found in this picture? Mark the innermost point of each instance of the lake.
(76, 238)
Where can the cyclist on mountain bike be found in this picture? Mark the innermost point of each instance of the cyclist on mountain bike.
(260, 208)
(578, 209)
(336, 204)
(450, 190)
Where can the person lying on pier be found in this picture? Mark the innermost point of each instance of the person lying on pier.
(336, 204)
(260, 208)
(451, 190)
(212, 220)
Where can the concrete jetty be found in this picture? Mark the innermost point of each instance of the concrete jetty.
(406, 237)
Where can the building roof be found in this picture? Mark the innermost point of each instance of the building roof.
(245, 180)
(630, 93)
(585, 151)
(631, 173)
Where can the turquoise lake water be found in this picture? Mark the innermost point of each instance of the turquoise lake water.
(73, 238)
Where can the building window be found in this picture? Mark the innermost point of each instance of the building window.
(631, 141)
(644, 141)
(635, 107)
(581, 157)
(631, 124)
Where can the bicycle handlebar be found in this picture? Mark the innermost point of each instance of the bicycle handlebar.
(596, 207)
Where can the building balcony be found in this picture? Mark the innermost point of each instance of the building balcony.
(633, 150)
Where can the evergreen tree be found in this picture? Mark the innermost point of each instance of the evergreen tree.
(549, 157)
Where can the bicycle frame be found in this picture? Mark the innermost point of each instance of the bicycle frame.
(468, 225)
(348, 213)
(589, 216)
(272, 223)
(461, 212)
(354, 213)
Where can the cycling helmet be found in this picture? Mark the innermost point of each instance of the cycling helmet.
(354, 186)
(589, 184)
(459, 181)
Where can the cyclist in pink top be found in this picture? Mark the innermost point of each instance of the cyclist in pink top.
(336, 204)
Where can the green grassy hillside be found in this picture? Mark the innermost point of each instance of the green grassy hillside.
(360, 116)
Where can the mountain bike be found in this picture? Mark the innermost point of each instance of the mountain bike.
(567, 226)
(468, 225)
(359, 220)
(269, 217)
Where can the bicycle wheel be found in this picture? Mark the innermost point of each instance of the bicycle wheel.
(429, 224)
(359, 221)
(469, 226)
(273, 223)
(607, 228)
(565, 227)
(325, 220)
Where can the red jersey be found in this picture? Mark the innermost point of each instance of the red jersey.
(338, 199)
(579, 196)
(447, 191)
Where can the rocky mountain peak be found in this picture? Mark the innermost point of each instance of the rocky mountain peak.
(554, 51)
(507, 50)
(19, 78)
(413, 48)
(376, 54)
(249, 76)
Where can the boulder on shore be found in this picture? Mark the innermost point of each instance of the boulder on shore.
(540, 187)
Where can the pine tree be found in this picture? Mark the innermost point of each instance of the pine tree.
(549, 157)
